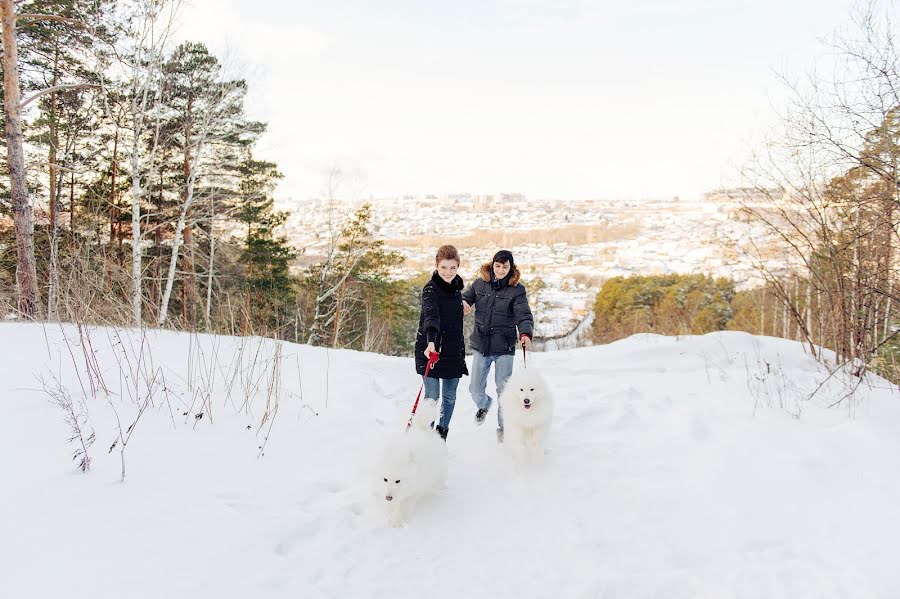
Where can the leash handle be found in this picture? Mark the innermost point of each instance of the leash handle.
(432, 360)
(524, 351)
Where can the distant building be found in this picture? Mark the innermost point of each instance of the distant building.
(734, 201)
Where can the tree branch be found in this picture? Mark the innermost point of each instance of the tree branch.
(40, 17)
(56, 88)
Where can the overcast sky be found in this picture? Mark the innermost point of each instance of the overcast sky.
(554, 98)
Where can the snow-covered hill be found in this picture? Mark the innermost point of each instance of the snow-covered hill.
(679, 468)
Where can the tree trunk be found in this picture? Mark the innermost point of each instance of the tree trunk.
(72, 207)
(338, 317)
(762, 313)
(210, 267)
(52, 295)
(245, 315)
(157, 249)
(775, 303)
(54, 142)
(136, 253)
(176, 246)
(54, 195)
(190, 283)
(23, 210)
(785, 321)
(173, 263)
(112, 188)
(189, 168)
(809, 321)
(245, 318)
(112, 209)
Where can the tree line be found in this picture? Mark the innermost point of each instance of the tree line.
(133, 195)
(832, 179)
(824, 234)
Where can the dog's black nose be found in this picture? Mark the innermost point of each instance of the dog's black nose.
(526, 401)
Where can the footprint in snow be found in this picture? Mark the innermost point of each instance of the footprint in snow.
(286, 545)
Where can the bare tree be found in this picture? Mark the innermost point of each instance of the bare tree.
(332, 270)
(148, 38)
(831, 192)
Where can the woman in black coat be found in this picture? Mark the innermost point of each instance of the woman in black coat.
(441, 330)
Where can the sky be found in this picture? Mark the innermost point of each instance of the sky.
(569, 99)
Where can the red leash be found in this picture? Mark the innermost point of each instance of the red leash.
(432, 359)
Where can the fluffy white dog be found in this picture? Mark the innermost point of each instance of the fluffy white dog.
(527, 414)
(411, 465)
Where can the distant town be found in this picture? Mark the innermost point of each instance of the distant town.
(565, 249)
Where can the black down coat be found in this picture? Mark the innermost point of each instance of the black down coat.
(441, 321)
(500, 308)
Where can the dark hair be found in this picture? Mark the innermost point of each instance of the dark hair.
(504, 256)
(446, 252)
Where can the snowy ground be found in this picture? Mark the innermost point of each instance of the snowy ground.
(678, 469)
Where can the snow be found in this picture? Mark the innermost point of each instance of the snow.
(679, 468)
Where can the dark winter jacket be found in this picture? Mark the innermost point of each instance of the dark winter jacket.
(441, 322)
(500, 307)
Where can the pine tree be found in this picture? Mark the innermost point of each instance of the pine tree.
(356, 302)
(268, 286)
(205, 109)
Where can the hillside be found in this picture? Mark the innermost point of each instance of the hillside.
(679, 467)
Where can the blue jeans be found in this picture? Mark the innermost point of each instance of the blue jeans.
(445, 388)
(503, 366)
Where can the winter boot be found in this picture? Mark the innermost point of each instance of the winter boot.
(499, 435)
(442, 432)
(480, 415)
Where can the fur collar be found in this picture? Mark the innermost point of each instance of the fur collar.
(486, 274)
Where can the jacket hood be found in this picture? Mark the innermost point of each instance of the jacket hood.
(514, 275)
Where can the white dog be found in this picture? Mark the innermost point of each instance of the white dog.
(527, 414)
(410, 466)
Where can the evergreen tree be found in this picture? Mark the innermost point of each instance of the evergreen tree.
(356, 303)
(205, 111)
(663, 304)
(266, 255)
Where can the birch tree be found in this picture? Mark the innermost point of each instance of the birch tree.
(206, 108)
(324, 282)
(151, 24)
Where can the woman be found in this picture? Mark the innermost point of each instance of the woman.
(441, 330)
(501, 306)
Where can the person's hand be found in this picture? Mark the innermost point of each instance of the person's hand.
(526, 341)
(429, 350)
(467, 308)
